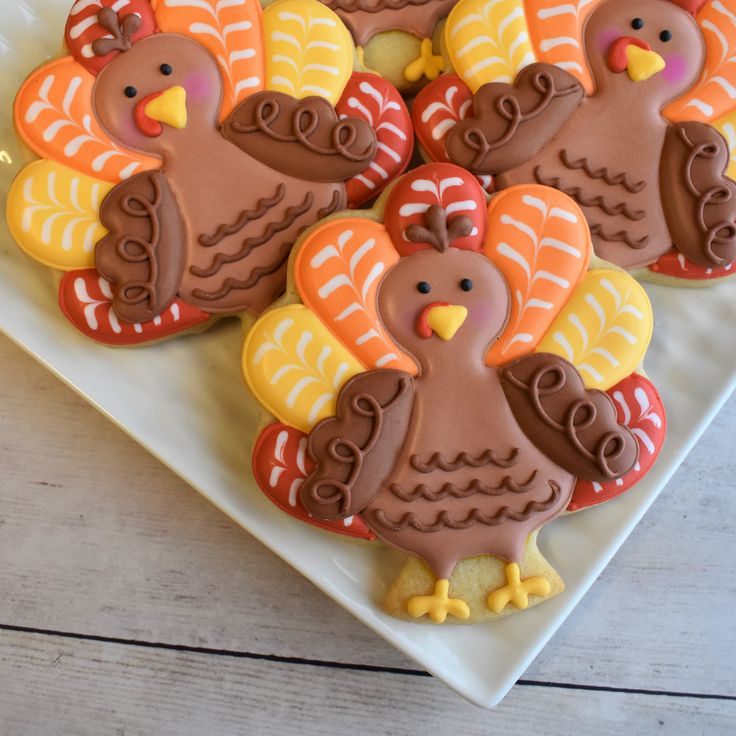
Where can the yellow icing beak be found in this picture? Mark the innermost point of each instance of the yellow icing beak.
(446, 321)
(643, 64)
(170, 107)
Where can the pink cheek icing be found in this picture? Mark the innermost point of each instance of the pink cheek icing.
(675, 69)
(606, 38)
(198, 86)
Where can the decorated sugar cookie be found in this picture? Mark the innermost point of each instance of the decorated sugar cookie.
(627, 106)
(447, 376)
(184, 146)
(398, 39)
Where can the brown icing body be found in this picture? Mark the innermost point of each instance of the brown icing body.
(489, 509)
(613, 153)
(628, 227)
(459, 461)
(239, 204)
(366, 18)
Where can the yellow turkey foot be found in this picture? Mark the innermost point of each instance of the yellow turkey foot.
(426, 64)
(438, 605)
(517, 592)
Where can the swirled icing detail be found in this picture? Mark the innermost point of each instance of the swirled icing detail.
(476, 516)
(603, 174)
(438, 461)
(476, 488)
(620, 236)
(345, 452)
(577, 414)
(599, 202)
(290, 216)
(136, 205)
(263, 206)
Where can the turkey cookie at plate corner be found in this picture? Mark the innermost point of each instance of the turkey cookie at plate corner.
(447, 376)
(183, 147)
(625, 105)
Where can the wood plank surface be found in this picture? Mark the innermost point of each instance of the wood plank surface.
(82, 688)
(99, 540)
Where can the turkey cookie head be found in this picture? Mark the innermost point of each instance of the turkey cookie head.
(441, 302)
(653, 48)
(164, 86)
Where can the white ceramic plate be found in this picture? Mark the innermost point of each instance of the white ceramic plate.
(186, 403)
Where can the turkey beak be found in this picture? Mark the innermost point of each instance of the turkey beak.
(635, 57)
(441, 319)
(168, 107)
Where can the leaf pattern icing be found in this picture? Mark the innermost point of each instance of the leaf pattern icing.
(53, 214)
(488, 40)
(231, 30)
(604, 329)
(540, 241)
(555, 28)
(308, 50)
(337, 271)
(715, 93)
(85, 297)
(295, 367)
(53, 115)
(373, 99)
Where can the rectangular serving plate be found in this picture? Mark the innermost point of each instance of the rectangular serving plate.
(185, 402)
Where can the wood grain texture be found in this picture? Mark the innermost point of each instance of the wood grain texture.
(98, 539)
(90, 688)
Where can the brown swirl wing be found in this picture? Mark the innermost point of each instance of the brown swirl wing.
(575, 427)
(143, 254)
(302, 138)
(698, 199)
(513, 123)
(356, 450)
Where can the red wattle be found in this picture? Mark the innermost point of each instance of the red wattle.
(423, 328)
(147, 125)
(618, 61)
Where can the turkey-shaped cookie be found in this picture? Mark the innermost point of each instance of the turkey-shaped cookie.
(437, 377)
(621, 104)
(185, 145)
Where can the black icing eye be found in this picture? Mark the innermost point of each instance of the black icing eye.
(130, 92)
(423, 287)
(166, 69)
(466, 285)
(665, 36)
(637, 24)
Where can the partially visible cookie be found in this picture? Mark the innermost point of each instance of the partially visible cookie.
(620, 104)
(448, 376)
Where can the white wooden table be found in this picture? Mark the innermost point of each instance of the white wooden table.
(129, 605)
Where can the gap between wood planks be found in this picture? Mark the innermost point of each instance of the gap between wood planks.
(345, 665)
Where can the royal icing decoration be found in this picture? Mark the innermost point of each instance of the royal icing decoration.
(622, 105)
(185, 145)
(400, 408)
